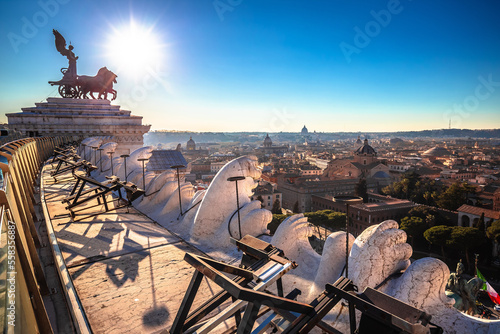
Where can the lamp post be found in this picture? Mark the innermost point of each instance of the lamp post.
(143, 177)
(235, 179)
(111, 158)
(100, 158)
(347, 200)
(178, 184)
(125, 156)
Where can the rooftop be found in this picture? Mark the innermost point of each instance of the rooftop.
(474, 210)
(165, 159)
(119, 261)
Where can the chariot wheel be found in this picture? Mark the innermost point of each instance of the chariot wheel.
(68, 91)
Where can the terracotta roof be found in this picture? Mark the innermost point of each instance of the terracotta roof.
(474, 210)
(369, 166)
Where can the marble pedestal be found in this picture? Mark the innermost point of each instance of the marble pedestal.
(81, 118)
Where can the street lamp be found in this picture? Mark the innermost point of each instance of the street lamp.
(100, 158)
(143, 177)
(235, 179)
(178, 184)
(347, 200)
(111, 157)
(125, 156)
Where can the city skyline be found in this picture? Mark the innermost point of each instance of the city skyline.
(268, 67)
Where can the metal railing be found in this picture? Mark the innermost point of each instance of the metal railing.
(22, 280)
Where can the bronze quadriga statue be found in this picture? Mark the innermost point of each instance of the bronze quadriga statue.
(77, 86)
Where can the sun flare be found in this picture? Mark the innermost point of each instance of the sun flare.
(134, 49)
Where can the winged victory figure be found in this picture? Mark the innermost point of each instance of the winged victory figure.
(68, 53)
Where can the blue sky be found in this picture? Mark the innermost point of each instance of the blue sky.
(252, 65)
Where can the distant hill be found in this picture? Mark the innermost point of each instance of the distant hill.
(452, 133)
(165, 136)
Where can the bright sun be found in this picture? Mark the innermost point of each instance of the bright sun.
(134, 49)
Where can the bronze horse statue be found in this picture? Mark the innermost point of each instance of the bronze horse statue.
(102, 84)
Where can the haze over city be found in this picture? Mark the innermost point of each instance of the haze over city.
(267, 66)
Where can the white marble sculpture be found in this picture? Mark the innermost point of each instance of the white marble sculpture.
(86, 152)
(189, 215)
(216, 219)
(134, 167)
(211, 217)
(381, 250)
(154, 195)
(104, 161)
(292, 238)
(172, 204)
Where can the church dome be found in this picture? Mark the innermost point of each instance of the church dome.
(359, 142)
(191, 145)
(381, 175)
(365, 149)
(436, 151)
(304, 131)
(267, 141)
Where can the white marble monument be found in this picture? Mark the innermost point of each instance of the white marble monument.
(81, 118)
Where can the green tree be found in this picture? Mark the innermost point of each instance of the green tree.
(493, 232)
(405, 188)
(319, 220)
(438, 235)
(422, 211)
(414, 227)
(464, 239)
(336, 221)
(326, 219)
(317, 217)
(480, 223)
(296, 207)
(452, 198)
(427, 196)
(429, 214)
(410, 183)
(275, 222)
(468, 190)
(423, 192)
(430, 221)
(276, 207)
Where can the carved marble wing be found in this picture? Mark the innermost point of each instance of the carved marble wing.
(60, 43)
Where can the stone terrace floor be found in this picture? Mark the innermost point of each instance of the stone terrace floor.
(128, 270)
